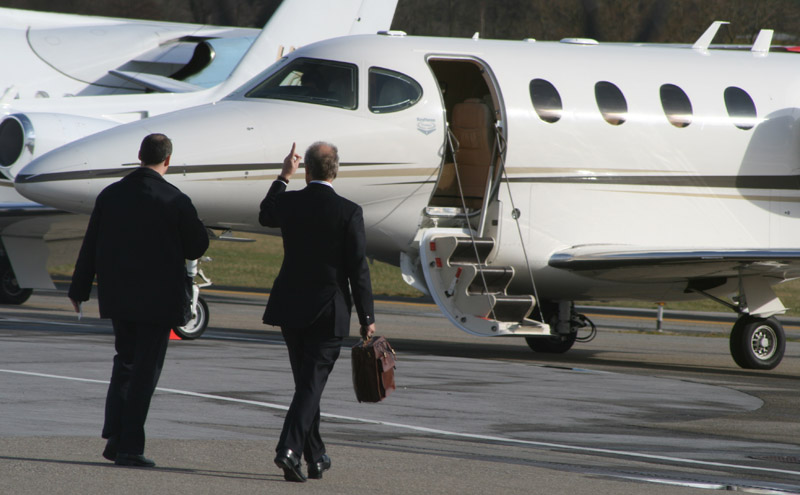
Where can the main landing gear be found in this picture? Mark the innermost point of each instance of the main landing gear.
(757, 343)
(565, 323)
(10, 291)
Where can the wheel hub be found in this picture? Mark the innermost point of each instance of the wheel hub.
(763, 342)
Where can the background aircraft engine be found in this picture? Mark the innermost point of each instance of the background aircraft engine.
(16, 133)
(24, 137)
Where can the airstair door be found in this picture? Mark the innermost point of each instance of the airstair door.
(459, 234)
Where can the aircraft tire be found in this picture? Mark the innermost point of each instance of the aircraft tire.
(10, 291)
(196, 325)
(556, 344)
(757, 343)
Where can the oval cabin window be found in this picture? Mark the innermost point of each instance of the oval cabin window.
(676, 104)
(391, 91)
(741, 108)
(611, 102)
(546, 100)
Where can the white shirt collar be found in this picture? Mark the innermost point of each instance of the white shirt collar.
(321, 182)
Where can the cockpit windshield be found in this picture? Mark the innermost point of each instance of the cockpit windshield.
(321, 82)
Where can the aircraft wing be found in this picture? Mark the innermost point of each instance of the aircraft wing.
(155, 82)
(636, 264)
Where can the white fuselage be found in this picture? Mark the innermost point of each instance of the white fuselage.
(580, 180)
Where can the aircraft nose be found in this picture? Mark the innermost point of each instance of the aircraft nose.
(59, 179)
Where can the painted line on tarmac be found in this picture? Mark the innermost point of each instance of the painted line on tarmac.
(436, 431)
(32, 321)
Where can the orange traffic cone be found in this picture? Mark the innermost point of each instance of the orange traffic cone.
(173, 335)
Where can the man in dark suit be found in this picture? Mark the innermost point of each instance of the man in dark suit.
(141, 231)
(324, 261)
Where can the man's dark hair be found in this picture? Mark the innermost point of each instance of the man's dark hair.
(155, 149)
(322, 161)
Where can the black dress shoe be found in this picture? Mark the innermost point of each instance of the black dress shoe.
(315, 469)
(290, 463)
(136, 460)
(110, 452)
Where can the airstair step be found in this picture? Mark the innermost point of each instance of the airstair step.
(512, 308)
(465, 250)
(496, 278)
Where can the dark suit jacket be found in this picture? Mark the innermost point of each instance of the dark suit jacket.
(141, 231)
(324, 258)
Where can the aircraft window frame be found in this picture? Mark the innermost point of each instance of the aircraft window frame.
(676, 104)
(741, 107)
(546, 100)
(407, 83)
(611, 102)
(287, 83)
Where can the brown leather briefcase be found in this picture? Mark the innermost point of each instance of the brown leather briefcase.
(373, 369)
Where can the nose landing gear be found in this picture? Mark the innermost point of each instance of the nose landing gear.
(200, 315)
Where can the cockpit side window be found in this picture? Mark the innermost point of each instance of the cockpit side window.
(321, 82)
(391, 91)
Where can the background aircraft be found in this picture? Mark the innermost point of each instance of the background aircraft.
(508, 186)
(58, 55)
(36, 125)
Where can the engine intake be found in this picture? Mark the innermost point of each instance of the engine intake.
(16, 133)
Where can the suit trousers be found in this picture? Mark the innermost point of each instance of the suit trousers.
(141, 348)
(312, 353)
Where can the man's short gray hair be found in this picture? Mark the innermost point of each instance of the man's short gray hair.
(322, 161)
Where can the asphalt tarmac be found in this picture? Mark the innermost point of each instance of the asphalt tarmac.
(631, 412)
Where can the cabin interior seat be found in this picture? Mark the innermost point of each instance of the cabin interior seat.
(472, 125)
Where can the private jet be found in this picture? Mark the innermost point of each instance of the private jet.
(59, 55)
(509, 179)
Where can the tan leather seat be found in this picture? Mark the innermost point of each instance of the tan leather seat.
(472, 127)
(471, 123)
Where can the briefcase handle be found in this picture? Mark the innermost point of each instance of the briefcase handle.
(367, 341)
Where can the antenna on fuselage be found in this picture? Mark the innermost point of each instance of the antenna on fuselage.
(763, 41)
(705, 40)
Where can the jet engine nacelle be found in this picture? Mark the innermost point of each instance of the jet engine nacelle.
(24, 137)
